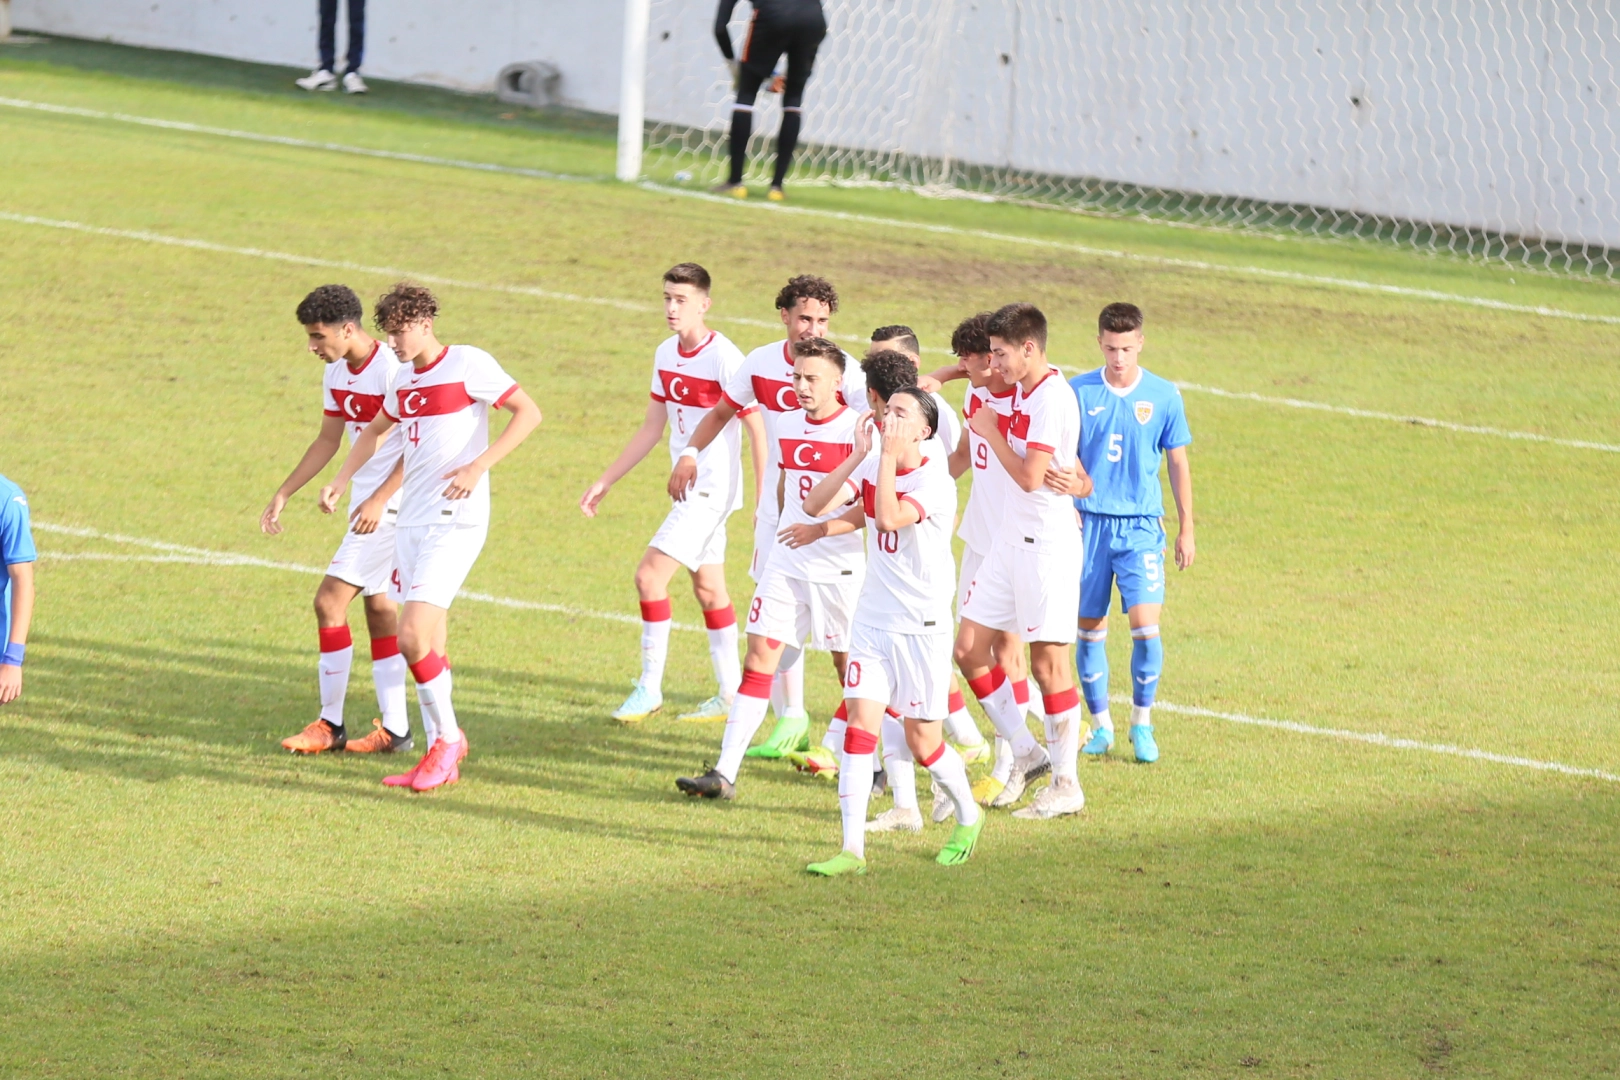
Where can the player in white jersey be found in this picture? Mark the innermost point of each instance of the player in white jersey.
(442, 404)
(1030, 576)
(765, 381)
(981, 519)
(359, 372)
(807, 593)
(899, 657)
(690, 370)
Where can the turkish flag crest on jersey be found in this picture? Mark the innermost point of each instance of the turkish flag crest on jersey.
(685, 389)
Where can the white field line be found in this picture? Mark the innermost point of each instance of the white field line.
(627, 305)
(180, 553)
(194, 556)
(1322, 280)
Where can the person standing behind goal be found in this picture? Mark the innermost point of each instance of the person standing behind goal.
(794, 27)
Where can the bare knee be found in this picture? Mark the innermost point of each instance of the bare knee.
(332, 602)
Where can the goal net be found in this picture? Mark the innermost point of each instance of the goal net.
(1484, 128)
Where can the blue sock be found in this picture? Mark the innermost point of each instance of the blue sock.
(1091, 657)
(1147, 661)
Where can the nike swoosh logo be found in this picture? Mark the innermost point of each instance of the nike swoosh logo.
(325, 672)
(1094, 412)
(1032, 629)
(1149, 679)
(1091, 678)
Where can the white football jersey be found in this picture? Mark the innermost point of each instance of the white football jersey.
(807, 450)
(766, 380)
(911, 573)
(443, 410)
(689, 385)
(981, 520)
(1047, 418)
(356, 396)
(950, 429)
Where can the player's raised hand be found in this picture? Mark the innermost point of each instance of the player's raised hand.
(462, 481)
(798, 536)
(682, 477)
(1186, 549)
(363, 521)
(329, 498)
(593, 497)
(863, 437)
(270, 520)
(899, 431)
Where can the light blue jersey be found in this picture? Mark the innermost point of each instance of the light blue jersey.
(16, 545)
(1123, 437)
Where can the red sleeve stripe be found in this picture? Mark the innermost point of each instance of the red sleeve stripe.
(749, 411)
(332, 412)
(921, 513)
(510, 390)
(1039, 446)
(729, 400)
(661, 399)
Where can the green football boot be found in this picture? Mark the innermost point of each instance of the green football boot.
(840, 864)
(792, 735)
(964, 838)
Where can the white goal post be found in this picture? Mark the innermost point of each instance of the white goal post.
(1486, 128)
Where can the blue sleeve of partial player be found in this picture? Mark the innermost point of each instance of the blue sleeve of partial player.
(16, 538)
(1176, 433)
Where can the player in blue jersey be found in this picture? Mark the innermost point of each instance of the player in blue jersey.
(1130, 419)
(17, 594)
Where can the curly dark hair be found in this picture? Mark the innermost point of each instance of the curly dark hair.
(1119, 318)
(404, 304)
(970, 337)
(818, 346)
(331, 305)
(905, 335)
(1018, 323)
(888, 371)
(807, 287)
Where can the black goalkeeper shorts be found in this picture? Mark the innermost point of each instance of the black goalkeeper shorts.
(767, 43)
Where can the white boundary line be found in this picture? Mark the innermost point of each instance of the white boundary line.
(1296, 277)
(627, 305)
(183, 554)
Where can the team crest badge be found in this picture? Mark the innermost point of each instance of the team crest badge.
(1144, 411)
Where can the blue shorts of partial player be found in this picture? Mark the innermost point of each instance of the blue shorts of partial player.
(1127, 551)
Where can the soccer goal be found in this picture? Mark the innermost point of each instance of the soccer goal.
(1483, 128)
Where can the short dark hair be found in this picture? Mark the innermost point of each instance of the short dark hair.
(819, 346)
(1119, 318)
(404, 304)
(970, 338)
(687, 274)
(807, 287)
(331, 305)
(930, 409)
(888, 372)
(1018, 323)
(903, 334)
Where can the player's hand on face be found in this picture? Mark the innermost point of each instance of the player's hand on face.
(983, 423)
(462, 481)
(270, 520)
(329, 499)
(863, 436)
(592, 498)
(1186, 550)
(681, 478)
(798, 536)
(10, 683)
(899, 431)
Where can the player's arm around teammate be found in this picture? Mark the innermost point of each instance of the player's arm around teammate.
(17, 593)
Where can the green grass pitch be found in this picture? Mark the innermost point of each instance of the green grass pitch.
(184, 899)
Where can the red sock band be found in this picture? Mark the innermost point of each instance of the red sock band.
(842, 713)
(956, 704)
(857, 741)
(428, 668)
(719, 618)
(1021, 691)
(1061, 702)
(755, 684)
(939, 752)
(384, 647)
(334, 638)
(988, 683)
(655, 610)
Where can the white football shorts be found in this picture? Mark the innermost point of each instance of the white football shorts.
(435, 559)
(694, 532)
(766, 523)
(1031, 592)
(804, 613)
(367, 562)
(971, 561)
(909, 673)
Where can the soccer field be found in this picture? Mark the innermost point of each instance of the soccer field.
(1381, 842)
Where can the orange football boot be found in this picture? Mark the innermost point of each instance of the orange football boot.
(379, 741)
(317, 738)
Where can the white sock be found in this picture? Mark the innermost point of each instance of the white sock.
(389, 676)
(1102, 720)
(834, 739)
(1004, 713)
(1031, 704)
(334, 675)
(1004, 760)
(959, 725)
(854, 793)
(430, 730)
(1063, 742)
(722, 624)
(950, 773)
(899, 764)
(434, 694)
(787, 692)
(747, 713)
(654, 644)
(1141, 714)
